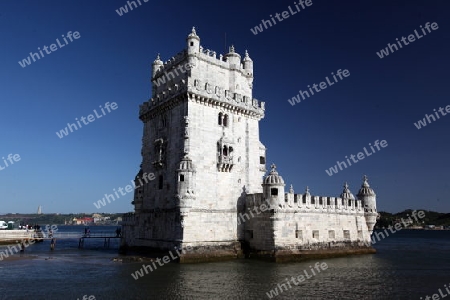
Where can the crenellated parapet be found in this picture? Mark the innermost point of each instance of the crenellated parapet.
(308, 203)
(230, 89)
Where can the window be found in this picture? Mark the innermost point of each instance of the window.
(262, 160)
(219, 121)
(274, 192)
(192, 44)
(225, 121)
(347, 234)
(328, 200)
(160, 182)
(331, 234)
(299, 234)
(163, 122)
(315, 234)
(181, 177)
(160, 152)
(225, 154)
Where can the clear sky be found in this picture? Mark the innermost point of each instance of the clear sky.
(111, 60)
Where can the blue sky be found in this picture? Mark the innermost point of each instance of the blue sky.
(111, 62)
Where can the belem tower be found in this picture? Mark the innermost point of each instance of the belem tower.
(209, 190)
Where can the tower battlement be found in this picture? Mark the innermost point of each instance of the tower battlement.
(225, 81)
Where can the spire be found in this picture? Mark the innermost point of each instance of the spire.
(273, 167)
(291, 189)
(232, 49)
(193, 34)
(247, 57)
(307, 190)
(158, 60)
(157, 65)
(365, 181)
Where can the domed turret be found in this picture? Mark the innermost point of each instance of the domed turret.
(346, 194)
(368, 199)
(273, 187)
(273, 178)
(365, 189)
(248, 64)
(156, 65)
(193, 42)
(233, 58)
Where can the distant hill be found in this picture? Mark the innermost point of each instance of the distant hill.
(431, 218)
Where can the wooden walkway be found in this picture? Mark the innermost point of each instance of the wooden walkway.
(106, 236)
(43, 236)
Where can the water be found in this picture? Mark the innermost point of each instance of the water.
(408, 265)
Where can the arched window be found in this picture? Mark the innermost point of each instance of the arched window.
(225, 151)
(225, 121)
(219, 121)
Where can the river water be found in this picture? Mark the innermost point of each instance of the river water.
(408, 265)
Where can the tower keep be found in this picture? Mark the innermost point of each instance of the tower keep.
(201, 141)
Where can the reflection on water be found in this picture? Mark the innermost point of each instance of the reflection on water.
(408, 265)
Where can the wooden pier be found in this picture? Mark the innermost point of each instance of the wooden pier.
(98, 235)
(16, 236)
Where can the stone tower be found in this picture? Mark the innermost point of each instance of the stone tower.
(201, 142)
(368, 198)
(273, 188)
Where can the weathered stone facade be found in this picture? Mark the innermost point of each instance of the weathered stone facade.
(201, 140)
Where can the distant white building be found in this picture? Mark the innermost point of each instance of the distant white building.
(201, 140)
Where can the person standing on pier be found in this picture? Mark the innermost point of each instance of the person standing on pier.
(52, 244)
